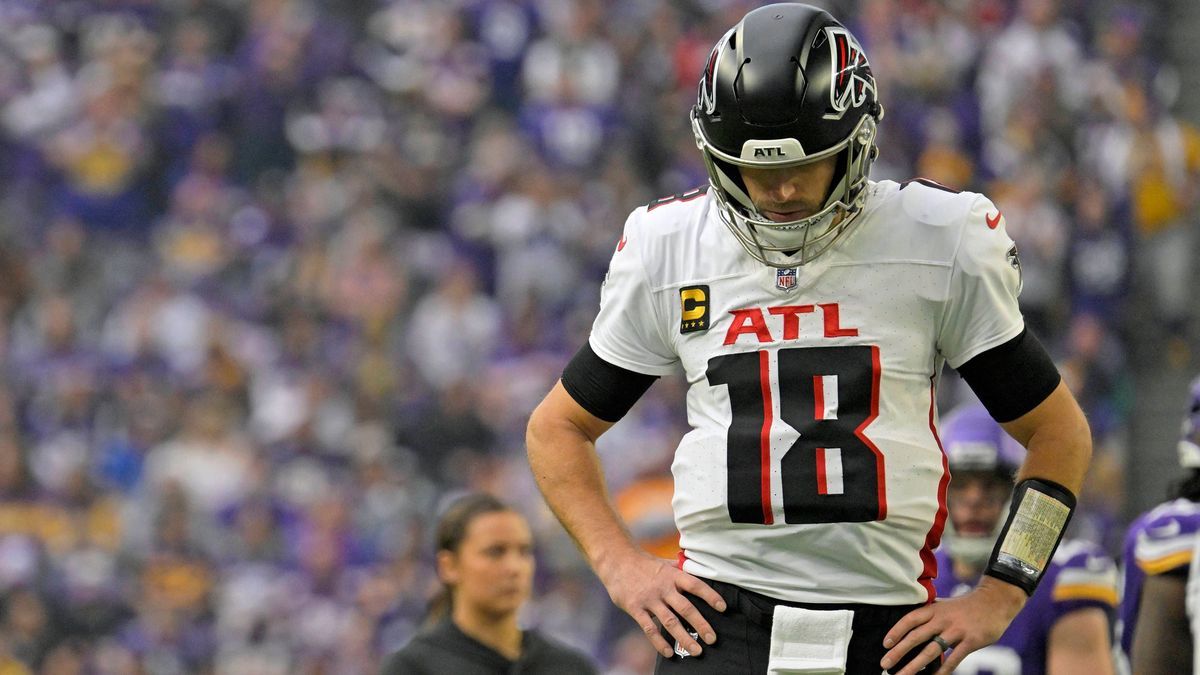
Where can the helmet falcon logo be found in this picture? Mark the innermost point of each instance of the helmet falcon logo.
(851, 79)
(708, 95)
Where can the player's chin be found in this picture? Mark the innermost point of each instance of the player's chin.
(786, 216)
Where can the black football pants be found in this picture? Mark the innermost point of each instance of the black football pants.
(744, 636)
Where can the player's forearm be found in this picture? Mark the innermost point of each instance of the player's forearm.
(1058, 439)
(1099, 663)
(1079, 644)
(1061, 459)
(564, 464)
(1162, 641)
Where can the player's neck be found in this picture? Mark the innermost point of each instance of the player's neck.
(501, 633)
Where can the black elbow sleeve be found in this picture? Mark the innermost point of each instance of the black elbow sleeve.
(1013, 378)
(605, 390)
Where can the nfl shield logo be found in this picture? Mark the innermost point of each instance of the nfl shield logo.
(785, 278)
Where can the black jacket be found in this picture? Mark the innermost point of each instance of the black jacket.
(446, 650)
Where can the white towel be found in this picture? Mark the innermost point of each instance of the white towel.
(809, 641)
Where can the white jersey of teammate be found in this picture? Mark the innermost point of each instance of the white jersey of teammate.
(813, 471)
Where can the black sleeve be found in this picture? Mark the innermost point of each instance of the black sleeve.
(1013, 378)
(603, 389)
(1180, 572)
(403, 662)
(543, 655)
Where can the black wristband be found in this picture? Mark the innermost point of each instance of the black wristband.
(1037, 519)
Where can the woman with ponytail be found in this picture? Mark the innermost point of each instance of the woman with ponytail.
(485, 563)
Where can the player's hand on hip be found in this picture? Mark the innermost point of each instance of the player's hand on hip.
(651, 589)
(964, 624)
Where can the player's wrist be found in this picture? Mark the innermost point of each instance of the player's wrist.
(609, 561)
(1007, 597)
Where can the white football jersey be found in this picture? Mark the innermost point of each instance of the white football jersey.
(812, 471)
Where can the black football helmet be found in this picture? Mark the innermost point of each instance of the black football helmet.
(787, 85)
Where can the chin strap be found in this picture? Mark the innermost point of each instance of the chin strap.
(1037, 519)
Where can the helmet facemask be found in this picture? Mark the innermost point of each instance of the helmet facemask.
(796, 242)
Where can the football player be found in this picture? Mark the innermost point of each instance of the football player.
(1153, 627)
(1067, 623)
(811, 311)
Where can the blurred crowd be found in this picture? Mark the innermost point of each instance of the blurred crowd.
(279, 277)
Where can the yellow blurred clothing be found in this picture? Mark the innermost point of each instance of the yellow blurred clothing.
(103, 167)
(49, 523)
(60, 528)
(946, 165)
(176, 582)
(645, 506)
(13, 667)
(1164, 165)
(102, 523)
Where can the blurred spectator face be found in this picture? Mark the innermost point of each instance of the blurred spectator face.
(37, 44)
(192, 41)
(209, 419)
(64, 659)
(58, 322)
(12, 466)
(66, 238)
(1040, 13)
(26, 615)
(212, 154)
(174, 529)
(1137, 107)
(1086, 336)
(492, 571)
(255, 525)
(1091, 206)
(112, 658)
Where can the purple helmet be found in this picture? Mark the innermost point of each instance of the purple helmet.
(973, 441)
(1189, 438)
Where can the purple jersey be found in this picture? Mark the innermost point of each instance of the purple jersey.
(1080, 576)
(1159, 541)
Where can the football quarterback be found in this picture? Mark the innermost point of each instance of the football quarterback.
(811, 310)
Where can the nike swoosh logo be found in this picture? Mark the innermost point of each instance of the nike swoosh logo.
(621, 244)
(993, 222)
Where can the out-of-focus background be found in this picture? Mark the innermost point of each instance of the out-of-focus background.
(279, 277)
